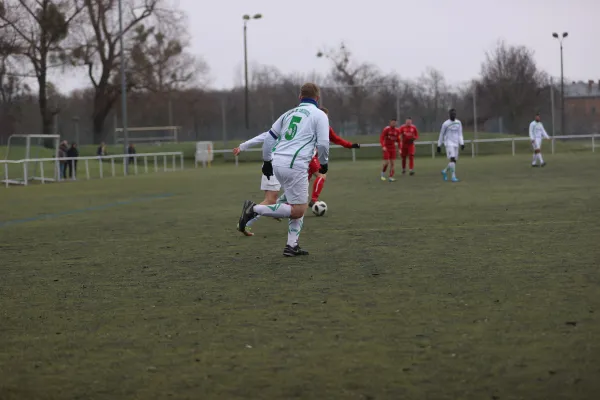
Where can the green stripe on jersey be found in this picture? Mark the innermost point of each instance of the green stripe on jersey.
(300, 149)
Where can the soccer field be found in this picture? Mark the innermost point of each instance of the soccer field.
(140, 287)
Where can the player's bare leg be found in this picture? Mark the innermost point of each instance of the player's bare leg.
(317, 188)
(384, 169)
(537, 156)
(411, 163)
(403, 164)
(392, 171)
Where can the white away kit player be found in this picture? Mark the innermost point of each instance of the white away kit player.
(451, 136)
(270, 186)
(537, 133)
(287, 152)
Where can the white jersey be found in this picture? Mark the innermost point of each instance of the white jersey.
(451, 134)
(296, 135)
(256, 140)
(537, 131)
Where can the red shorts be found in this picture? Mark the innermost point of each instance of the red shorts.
(389, 154)
(408, 149)
(313, 167)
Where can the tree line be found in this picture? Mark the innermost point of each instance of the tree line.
(167, 84)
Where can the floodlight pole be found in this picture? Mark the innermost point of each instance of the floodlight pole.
(247, 18)
(562, 81)
(123, 87)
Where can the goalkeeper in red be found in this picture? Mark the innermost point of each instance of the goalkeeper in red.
(408, 134)
(314, 166)
(390, 136)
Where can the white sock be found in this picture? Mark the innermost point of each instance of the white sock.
(540, 158)
(295, 227)
(281, 199)
(452, 168)
(275, 210)
(535, 157)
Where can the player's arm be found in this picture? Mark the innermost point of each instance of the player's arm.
(442, 135)
(416, 137)
(334, 138)
(322, 145)
(256, 140)
(461, 138)
(382, 138)
(532, 132)
(272, 138)
(544, 133)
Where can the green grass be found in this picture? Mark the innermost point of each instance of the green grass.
(487, 289)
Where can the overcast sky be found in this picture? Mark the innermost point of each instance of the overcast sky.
(395, 35)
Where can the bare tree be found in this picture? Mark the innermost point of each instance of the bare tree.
(160, 61)
(97, 47)
(511, 84)
(356, 81)
(39, 28)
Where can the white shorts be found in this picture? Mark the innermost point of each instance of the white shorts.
(294, 183)
(452, 152)
(537, 144)
(272, 184)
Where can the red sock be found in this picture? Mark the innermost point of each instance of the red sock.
(317, 188)
(392, 172)
(411, 162)
(403, 163)
(385, 167)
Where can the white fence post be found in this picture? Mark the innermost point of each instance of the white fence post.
(181, 159)
(593, 143)
(432, 150)
(155, 163)
(353, 155)
(513, 147)
(42, 172)
(6, 174)
(174, 163)
(87, 169)
(101, 168)
(145, 164)
(472, 149)
(164, 163)
(112, 165)
(135, 171)
(237, 160)
(553, 144)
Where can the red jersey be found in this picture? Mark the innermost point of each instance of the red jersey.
(409, 133)
(389, 137)
(333, 137)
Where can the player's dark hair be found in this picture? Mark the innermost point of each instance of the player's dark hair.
(392, 119)
(310, 91)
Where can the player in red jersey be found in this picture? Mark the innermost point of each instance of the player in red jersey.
(409, 134)
(389, 137)
(314, 166)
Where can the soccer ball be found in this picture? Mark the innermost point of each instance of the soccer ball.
(319, 208)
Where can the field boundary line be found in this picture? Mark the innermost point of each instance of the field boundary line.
(42, 217)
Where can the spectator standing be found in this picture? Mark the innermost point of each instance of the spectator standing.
(131, 150)
(101, 150)
(62, 153)
(72, 164)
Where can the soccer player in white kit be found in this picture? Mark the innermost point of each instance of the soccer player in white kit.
(271, 187)
(287, 152)
(451, 136)
(537, 133)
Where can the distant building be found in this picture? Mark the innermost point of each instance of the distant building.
(582, 106)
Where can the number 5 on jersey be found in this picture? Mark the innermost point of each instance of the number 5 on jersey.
(292, 129)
